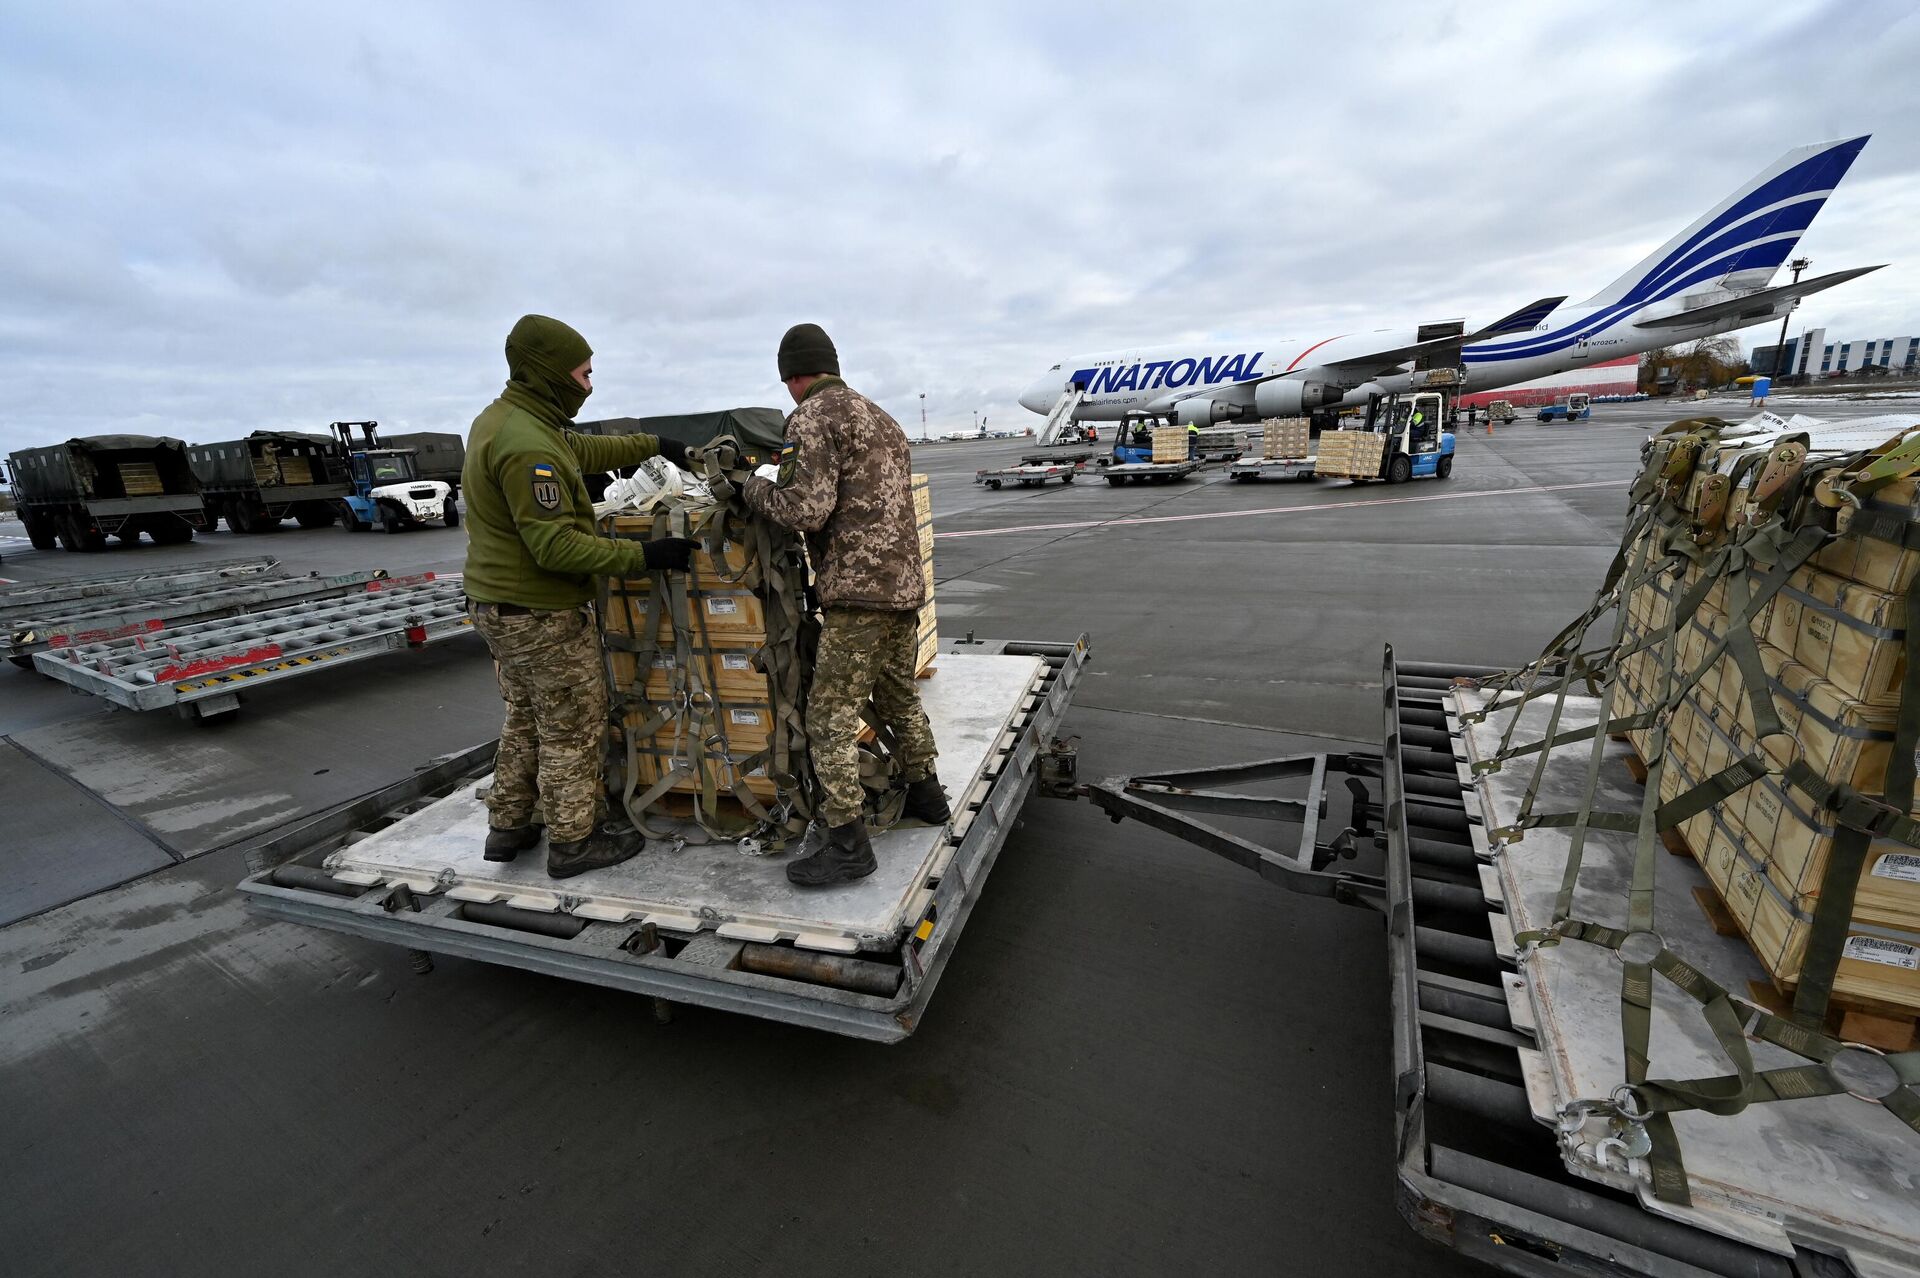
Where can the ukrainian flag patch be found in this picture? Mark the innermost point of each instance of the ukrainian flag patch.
(546, 487)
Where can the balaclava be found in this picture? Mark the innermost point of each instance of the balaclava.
(541, 356)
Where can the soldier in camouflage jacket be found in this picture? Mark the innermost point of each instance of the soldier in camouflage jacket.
(847, 485)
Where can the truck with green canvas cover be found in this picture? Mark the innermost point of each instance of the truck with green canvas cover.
(255, 482)
(79, 493)
(437, 455)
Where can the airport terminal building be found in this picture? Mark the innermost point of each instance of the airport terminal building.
(1812, 355)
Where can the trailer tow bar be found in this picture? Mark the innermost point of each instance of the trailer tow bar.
(1164, 801)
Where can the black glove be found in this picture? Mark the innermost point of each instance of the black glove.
(674, 451)
(673, 554)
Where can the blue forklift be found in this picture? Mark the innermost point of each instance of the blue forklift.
(387, 488)
(1132, 456)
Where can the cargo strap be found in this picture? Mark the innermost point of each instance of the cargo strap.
(698, 745)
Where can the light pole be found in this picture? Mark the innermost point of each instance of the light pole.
(1797, 265)
(923, 414)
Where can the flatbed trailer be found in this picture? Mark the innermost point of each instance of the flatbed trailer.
(698, 923)
(56, 625)
(1150, 472)
(1486, 1165)
(199, 669)
(1027, 476)
(1254, 468)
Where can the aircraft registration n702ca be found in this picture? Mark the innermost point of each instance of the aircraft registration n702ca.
(1713, 277)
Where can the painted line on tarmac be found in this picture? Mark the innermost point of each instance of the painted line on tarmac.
(1274, 510)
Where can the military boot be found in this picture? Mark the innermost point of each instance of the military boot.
(504, 845)
(848, 855)
(926, 801)
(609, 845)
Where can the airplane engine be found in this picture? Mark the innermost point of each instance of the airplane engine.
(1291, 398)
(1202, 412)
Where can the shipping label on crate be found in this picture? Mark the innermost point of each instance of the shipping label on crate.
(1878, 949)
(1898, 865)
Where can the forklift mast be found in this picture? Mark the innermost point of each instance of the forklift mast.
(369, 431)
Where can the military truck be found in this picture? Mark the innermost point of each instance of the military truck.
(256, 482)
(83, 491)
(437, 455)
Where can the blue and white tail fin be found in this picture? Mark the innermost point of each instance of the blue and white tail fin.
(1745, 238)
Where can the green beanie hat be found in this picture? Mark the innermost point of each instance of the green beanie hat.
(807, 349)
(541, 356)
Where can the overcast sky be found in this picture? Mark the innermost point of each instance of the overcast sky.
(216, 218)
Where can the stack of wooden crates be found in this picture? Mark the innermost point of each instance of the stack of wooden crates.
(1284, 438)
(929, 628)
(726, 593)
(1831, 644)
(1170, 444)
(1350, 454)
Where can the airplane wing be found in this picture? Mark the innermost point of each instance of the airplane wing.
(1362, 368)
(1758, 306)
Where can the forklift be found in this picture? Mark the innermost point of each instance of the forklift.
(387, 488)
(1420, 444)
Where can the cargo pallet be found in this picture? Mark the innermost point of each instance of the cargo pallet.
(1027, 476)
(880, 994)
(147, 606)
(199, 669)
(1478, 1169)
(21, 597)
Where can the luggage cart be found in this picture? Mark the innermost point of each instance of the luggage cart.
(1478, 1169)
(1027, 476)
(199, 669)
(695, 923)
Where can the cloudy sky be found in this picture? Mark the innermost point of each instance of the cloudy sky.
(215, 218)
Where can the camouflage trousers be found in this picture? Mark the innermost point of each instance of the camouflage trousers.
(863, 654)
(552, 741)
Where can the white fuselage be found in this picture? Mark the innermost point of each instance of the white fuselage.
(1150, 379)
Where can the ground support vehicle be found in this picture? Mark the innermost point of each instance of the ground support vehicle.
(702, 924)
(256, 482)
(1027, 475)
(1249, 469)
(1501, 411)
(79, 493)
(1576, 407)
(1413, 442)
(1147, 472)
(1492, 1157)
(437, 455)
(199, 669)
(1219, 443)
(386, 489)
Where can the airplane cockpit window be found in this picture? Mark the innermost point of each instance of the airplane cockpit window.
(1054, 369)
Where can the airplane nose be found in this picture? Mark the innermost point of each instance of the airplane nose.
(1035, 399)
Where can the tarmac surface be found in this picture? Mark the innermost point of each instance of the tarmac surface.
(1141, 1059)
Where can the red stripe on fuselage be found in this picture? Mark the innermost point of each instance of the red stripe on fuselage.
(1310, 350)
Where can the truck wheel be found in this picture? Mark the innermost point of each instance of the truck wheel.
(994, 484)
(129, 535)
(314, 515)
(1399, 469)
(1444, 467)
(42, 534)
(351, 520)
(451, 513)
(83, 537)
(1067, 478)
(1116, 480)
(171, 532)
(390, 519)
(64, 534)
(240, 517)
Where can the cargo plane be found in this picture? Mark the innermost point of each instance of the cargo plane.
(1711, 278)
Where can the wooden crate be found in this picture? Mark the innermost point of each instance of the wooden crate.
(1350, 454)
(1284, 437)
(1170, 443)
(141, 479)
(296, 470)
(929, 641)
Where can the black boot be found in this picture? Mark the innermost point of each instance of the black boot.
(608, 845)
(504, 845)
(926, 801)
(848, 855)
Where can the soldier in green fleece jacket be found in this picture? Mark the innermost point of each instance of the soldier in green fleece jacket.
(532, 555)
